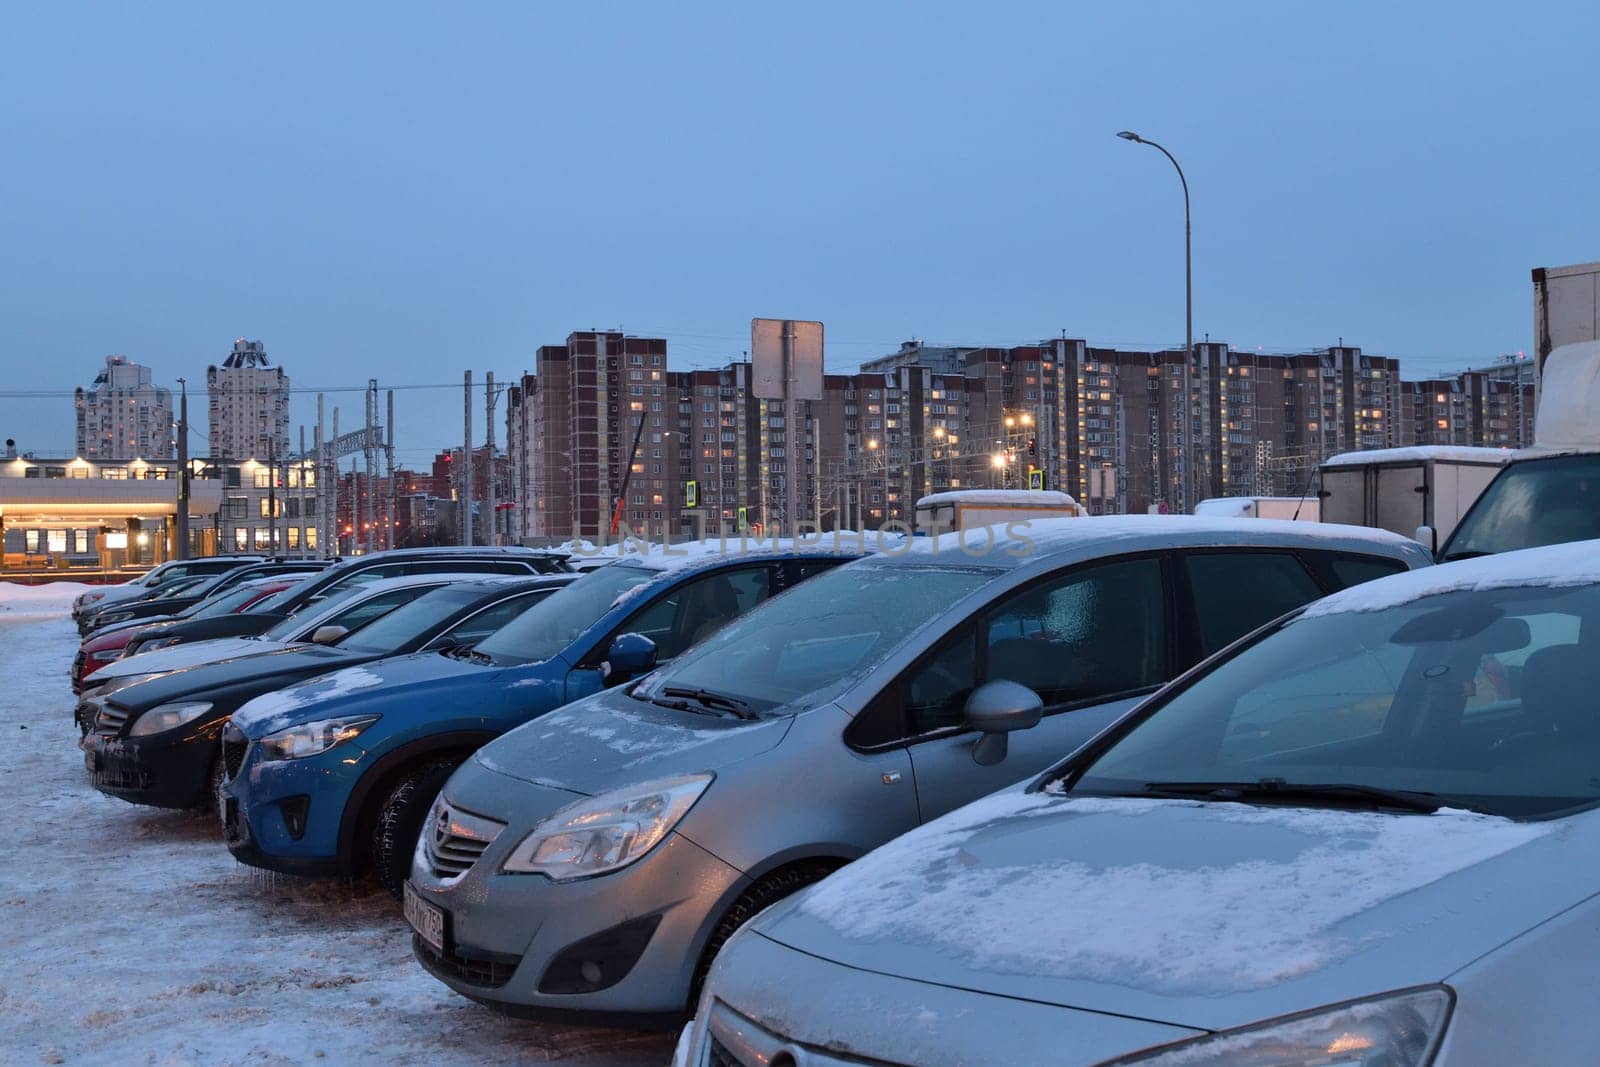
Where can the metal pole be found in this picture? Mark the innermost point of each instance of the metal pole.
(369, 454)
(393, 503)
(300, 507)
(272, 493)
(627, 475)
(791, 481)
(491, 519)
(466, 467)
(322, 481)
(181, 549)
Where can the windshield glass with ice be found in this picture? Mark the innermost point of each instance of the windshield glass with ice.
(222, 604)
(391, 631)
(812, 642)
(546, 629)
(1533, 503)
(1477, 699)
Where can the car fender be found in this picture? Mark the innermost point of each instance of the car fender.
(350, 820)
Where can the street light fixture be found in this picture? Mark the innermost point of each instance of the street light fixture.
(1188, 318)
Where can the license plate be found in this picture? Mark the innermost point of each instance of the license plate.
(425, 918)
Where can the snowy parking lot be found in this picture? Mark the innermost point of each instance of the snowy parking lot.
(131, 936)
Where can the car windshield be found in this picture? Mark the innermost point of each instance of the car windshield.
(546, 629)
(392, 631)
(222, 604)
(1533, 502)
(276, 601)
(181, 587)
(812, 642)
(292, 624)
(1476, 699)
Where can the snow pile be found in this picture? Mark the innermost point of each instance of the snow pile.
(44, 600)
(1420, 454)
(1554, 566)
(1243, 923)
(130, 936)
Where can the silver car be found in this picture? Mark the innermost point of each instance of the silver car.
(594, 861)
(1366, 836)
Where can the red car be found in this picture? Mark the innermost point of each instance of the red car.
(107, 648)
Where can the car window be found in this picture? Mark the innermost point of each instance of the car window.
(1237, 592)
(466, 566)
(358, 615)
(487, 621)
(697, 609)
(935, 693)
(546, 629)
(1353, 570)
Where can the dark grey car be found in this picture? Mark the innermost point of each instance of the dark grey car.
(593, 861)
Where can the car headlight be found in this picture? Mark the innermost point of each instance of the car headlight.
(135, 647)
(1391, 1030)
(115, 616)
(168, 716)
(310, 738)
(607, 832)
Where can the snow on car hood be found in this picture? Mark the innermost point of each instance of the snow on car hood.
(611, 740)
(180, 657)
(1205, 915)
(396, 678)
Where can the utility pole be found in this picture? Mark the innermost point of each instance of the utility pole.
(272, 493)
(393, 498)
(466, 467)
(321, 467)
(791, 464)
(181, 529)
(333, 467)
(369, 450)
(491, 517)
(300, 515)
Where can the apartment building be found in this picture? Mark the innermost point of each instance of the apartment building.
(247, 405)
(123, 415)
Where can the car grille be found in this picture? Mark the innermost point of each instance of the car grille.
(110, 719)
(736, 1041)
(234, 746)
(490, 974)
(455, 839)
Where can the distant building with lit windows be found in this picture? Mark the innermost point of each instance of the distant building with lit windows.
(123, 415)
(248, 405)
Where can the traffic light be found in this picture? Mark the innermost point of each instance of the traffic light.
(1033, 446)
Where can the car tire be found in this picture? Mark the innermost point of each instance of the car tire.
(752, 902)
(211, 803)
(400, 819)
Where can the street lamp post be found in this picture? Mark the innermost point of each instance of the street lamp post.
(1188, 320)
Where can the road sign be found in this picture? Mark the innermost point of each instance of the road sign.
(773, 339)
(744, 516)
(691, 494)
(1035, 478)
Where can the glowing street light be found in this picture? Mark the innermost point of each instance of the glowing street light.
(998, 460)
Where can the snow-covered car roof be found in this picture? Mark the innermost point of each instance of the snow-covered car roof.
(1555, 566)
(1010, 498)
(693, 554)
(1017, 543)
(1419, 454)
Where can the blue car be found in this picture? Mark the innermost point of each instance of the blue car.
(335, 776)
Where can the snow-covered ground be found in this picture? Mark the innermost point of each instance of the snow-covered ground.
(130, 935)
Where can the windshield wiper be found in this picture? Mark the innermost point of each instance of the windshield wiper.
(735, 707)
(1470, 553)
(1337, 794)
(468, 653)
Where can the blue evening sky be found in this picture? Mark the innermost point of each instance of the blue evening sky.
(405, 191)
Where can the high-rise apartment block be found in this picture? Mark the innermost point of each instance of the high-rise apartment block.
(123, 415)
(1112, 427)
(248, 404)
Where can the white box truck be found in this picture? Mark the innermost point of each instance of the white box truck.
(966, 508)
(1301, 508)
(1420, 492)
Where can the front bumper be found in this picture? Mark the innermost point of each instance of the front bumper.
(263, 801)
(510, 938)
(765, 1003)
(161, 771)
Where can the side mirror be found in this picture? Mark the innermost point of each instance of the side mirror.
(1427, 537)
(995, 709)
(327, 635)
(630, 655)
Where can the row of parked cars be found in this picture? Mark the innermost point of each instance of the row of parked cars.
(1147, 789)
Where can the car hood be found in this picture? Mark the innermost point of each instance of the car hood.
(225, 677)
(128, 625)
(611, 740)
(180, 657)
(1205, 915)
(355, 688)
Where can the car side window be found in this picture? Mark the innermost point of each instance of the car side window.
(1094, 632)
(358, 615)
(1353, 570)
(1236, 592)
(935, 693)
(697, 609)
(484, 566)
(471, 631)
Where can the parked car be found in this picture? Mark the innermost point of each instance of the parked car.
(175, 596)
(596, 860)
(412, 720)
(157, 742)
(347, 574)
(111, 643)
(324, 622)
(93, 600)
(1367, 834)
(252, 620)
